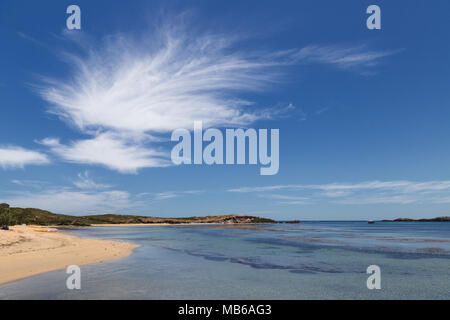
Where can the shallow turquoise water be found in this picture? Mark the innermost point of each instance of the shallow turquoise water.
(311, 260)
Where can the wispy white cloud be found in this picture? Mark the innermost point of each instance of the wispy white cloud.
(399, 184)
(85, 182)
(321, 110)
(89, 199)
(110, 151)
(286, 199)
(343, 57)
(165, 195)
(85, 196)
(262, 189)
(123, 93)
(17, 157)
(29, 183)
(73, 202)
(382, 199)
(157, 196)
(371, 192)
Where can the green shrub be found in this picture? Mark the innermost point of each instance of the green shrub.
(6, 217)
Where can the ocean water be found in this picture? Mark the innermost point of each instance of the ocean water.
(310, 260)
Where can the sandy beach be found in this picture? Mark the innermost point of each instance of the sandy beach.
(30, 250)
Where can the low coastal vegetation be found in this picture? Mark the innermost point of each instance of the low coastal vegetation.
(6, 216)
(12, 216)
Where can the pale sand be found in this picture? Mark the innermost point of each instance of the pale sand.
(25, 252)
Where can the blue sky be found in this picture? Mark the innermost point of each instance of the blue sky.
(86, 115)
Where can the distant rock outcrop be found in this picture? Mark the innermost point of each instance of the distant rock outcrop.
(438, 219)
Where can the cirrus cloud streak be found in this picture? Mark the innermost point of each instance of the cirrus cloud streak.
(17, 157)
(370, 192)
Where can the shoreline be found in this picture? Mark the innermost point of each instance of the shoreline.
(160, 224)
(27, 251)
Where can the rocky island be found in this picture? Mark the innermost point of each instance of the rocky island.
(438, 219)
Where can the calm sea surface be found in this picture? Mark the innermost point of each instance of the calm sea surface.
(310, 260)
